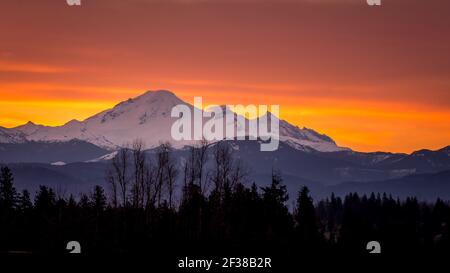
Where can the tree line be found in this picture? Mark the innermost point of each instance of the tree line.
(217, 205)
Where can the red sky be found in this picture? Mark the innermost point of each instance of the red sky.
(372, 78)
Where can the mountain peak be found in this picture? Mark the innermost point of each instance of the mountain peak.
(157, 93)
(162, 97)
(148, 101)
(27, 125)
(73, 122)
(28, 128)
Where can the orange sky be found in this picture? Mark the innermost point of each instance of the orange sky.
(372, 78)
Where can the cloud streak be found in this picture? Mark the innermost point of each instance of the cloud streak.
(32, 68)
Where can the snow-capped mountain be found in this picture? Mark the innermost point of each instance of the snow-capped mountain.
(146, 117)
(11, 136)
(303, 138)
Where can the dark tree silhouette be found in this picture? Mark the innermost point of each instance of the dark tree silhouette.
(279, 222)
(24, 201)
(305, 217)
(98, 199)
(8, 194)
(230, 216)
(45, 199)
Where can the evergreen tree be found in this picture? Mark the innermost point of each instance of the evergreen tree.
(84, 202)
(45, 199)
(276, 193)
(305, 217)
(8, 195)
(277, 217)
(98, 198)
(71, 203)
(25, 203)
(191, 211)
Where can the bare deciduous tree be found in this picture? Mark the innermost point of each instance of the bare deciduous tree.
(150, 184)
(120, 176)
(194, 168)
(172, 173)
(166, 173)
(139, 168)
(239, 174)
(202, 158)
(223, 163)
(111, 179)
(227, 172)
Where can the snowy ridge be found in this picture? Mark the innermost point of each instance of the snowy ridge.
(103, 158)
(302, 139)
(146, 117)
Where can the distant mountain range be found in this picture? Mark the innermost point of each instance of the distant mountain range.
(49, 152)
(322, 172)
(73, 157)
(147, 117)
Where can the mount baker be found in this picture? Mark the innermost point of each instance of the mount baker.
(146, 117)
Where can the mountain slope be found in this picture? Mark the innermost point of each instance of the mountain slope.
(11, 136)
(304, 139)
(49, 152)
(425, 186)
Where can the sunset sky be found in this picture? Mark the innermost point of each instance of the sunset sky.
(372, 78)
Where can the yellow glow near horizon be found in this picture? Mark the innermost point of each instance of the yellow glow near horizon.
(51, 113)
(376, 127)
